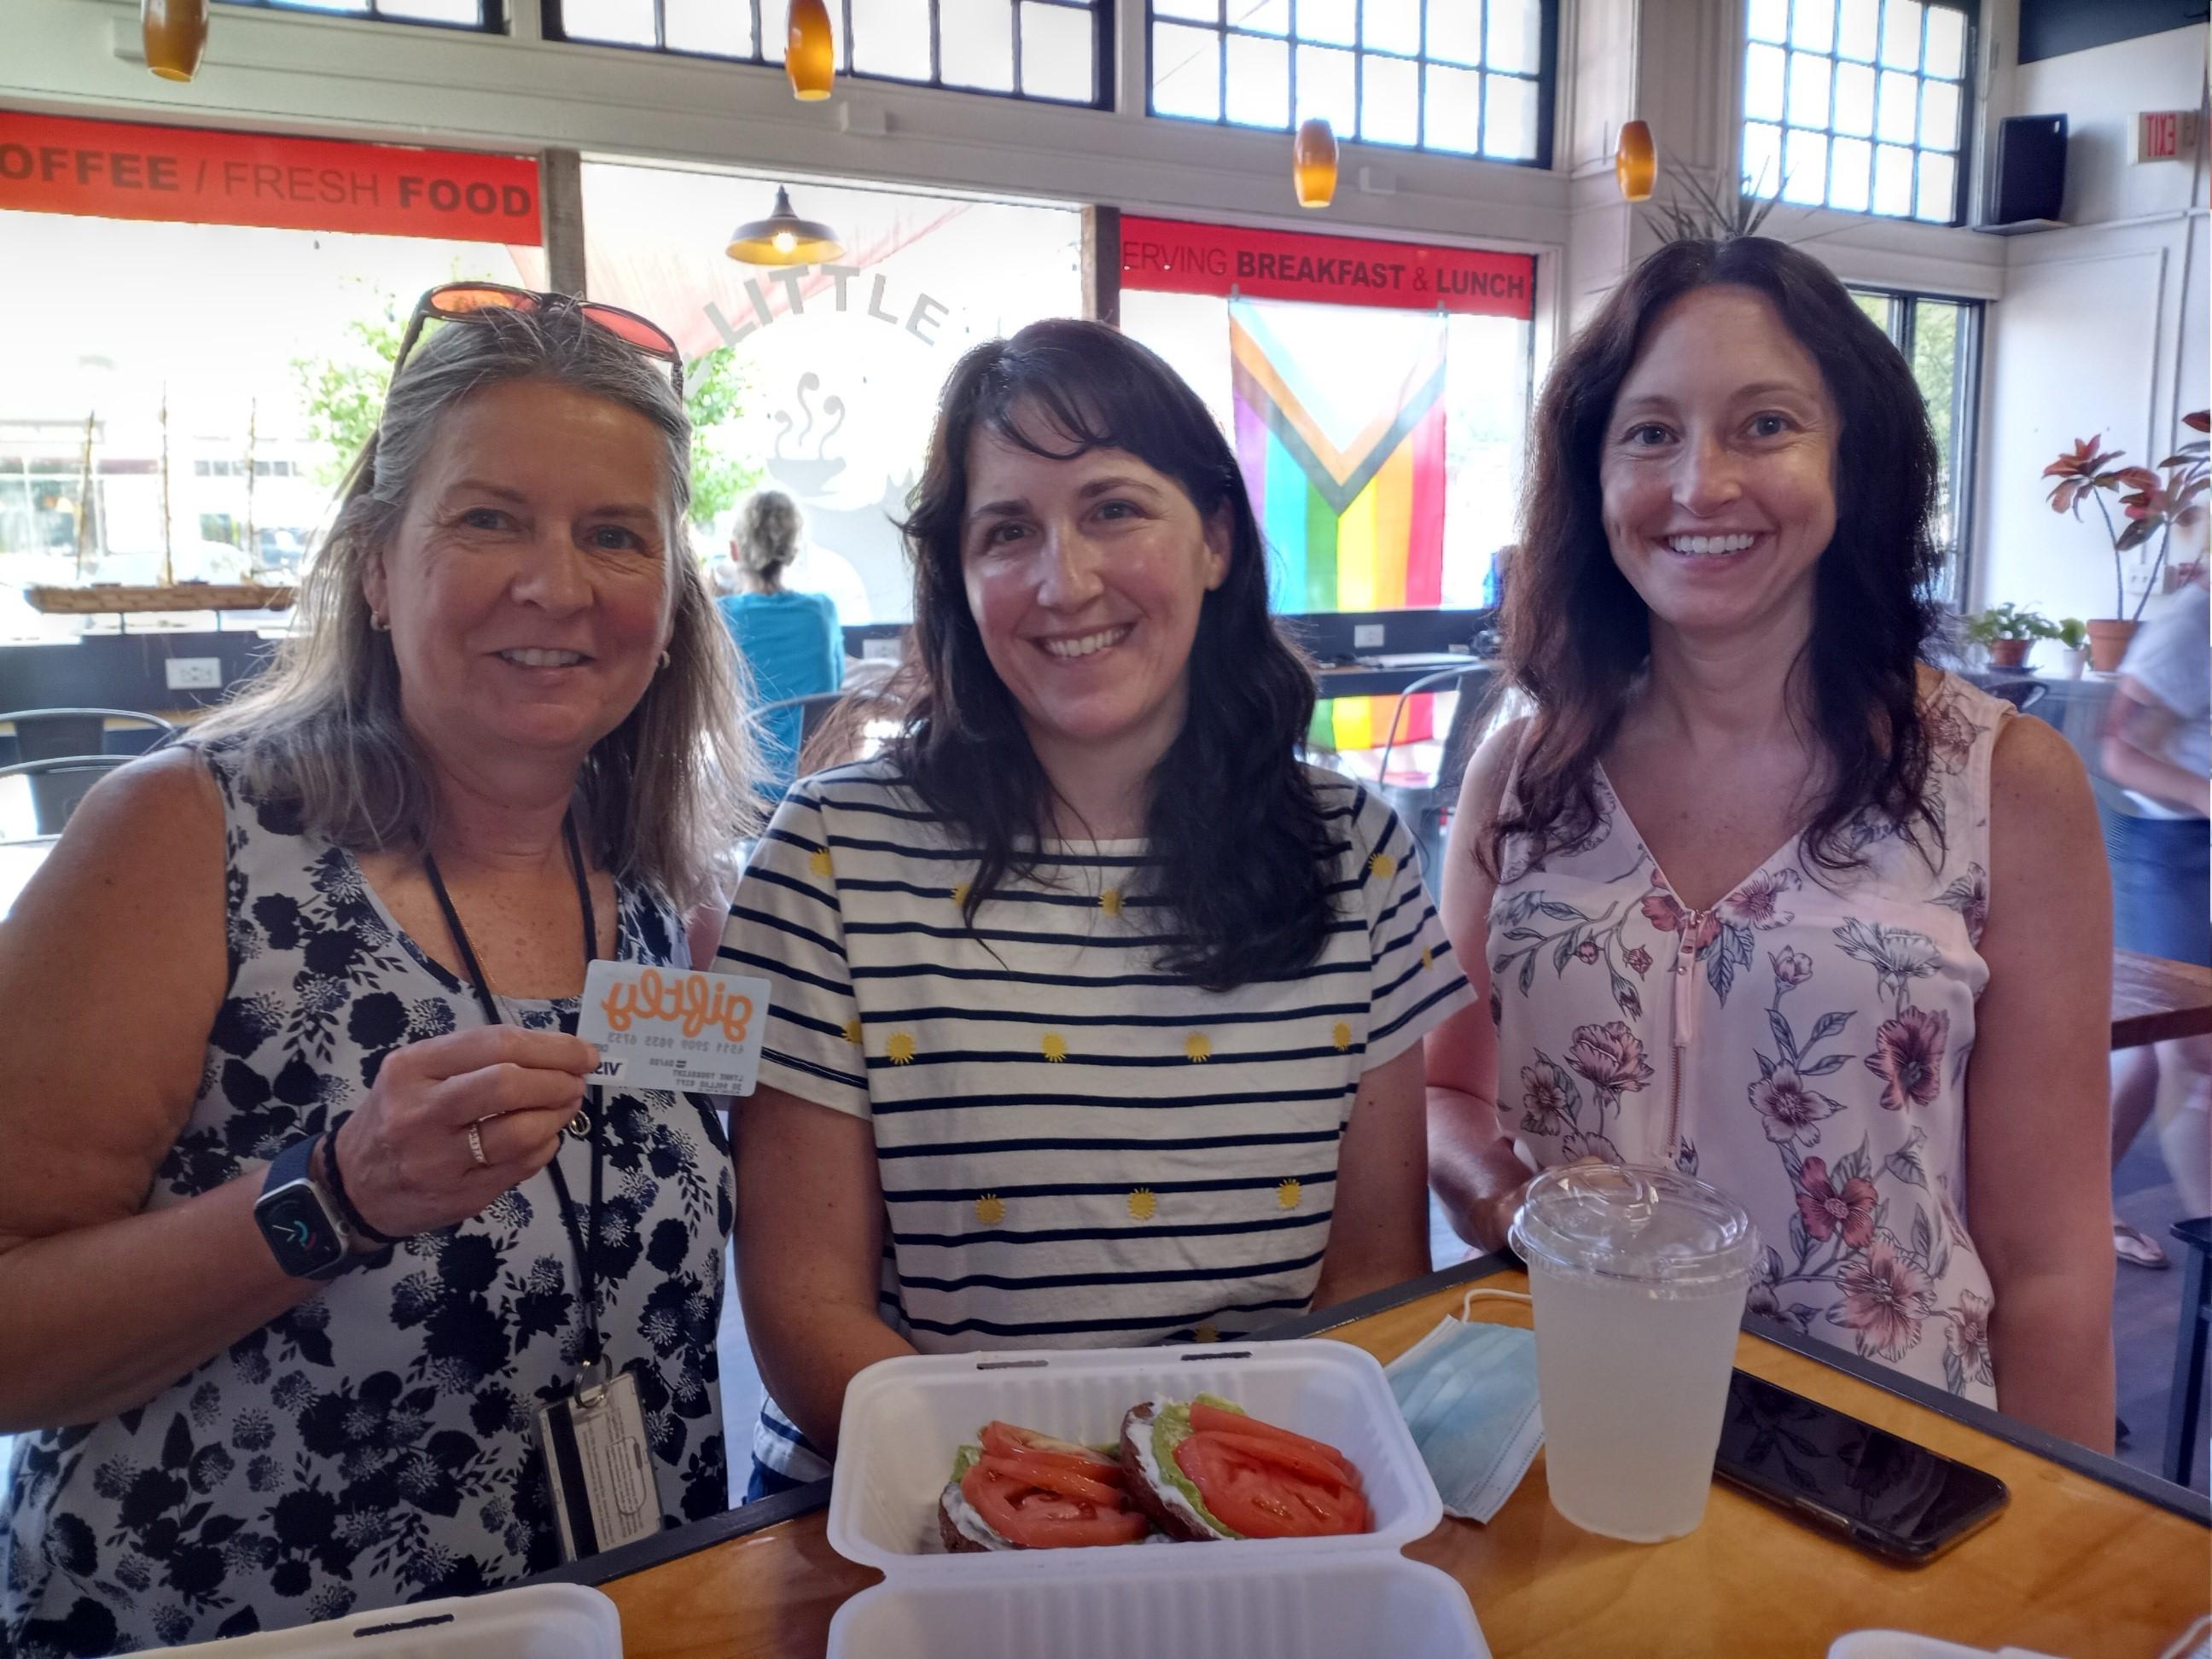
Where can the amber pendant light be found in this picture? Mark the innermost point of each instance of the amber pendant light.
(810, 53)
(1636, 161)
(175, 33)
(1313, 164)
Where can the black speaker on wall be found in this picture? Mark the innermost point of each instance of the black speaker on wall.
(2031, 175)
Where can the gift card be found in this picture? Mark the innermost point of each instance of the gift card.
(671, 1027)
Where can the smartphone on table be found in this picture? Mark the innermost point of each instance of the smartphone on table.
(1865, 1485)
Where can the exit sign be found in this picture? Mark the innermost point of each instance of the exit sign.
(2166, 135)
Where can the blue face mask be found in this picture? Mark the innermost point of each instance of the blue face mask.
(1468, 1394)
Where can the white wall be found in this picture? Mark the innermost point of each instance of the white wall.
(2103, 325)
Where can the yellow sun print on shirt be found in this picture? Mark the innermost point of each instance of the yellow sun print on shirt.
(819, 863)
(1383, 867)
(852, 1031)
(1286, 1193)
(1197, 1047)
(1428, 958)
(960, 894)
(899, 1049)
(1111, 901)
(1206, 1333)
(1340, 1034)
(1055, 1047)
(990, 1209)
(1143, 1206)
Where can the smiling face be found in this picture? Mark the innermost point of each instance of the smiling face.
(528, 584)
(1718, 467)
(1085, 578)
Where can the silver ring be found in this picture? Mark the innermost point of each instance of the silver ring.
(476, 1148)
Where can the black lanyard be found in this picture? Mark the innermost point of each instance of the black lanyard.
(588, 1276)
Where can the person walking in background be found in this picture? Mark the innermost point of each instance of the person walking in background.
(790, 641)
(2158, 747)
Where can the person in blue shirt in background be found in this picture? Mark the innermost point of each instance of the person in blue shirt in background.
(790, 642)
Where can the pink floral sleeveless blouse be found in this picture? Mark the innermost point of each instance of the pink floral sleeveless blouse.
(1802, 1046)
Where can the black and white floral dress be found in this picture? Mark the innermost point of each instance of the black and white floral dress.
(375, 1444)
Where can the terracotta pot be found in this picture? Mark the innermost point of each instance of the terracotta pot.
(2108, 642)
(2008, 653)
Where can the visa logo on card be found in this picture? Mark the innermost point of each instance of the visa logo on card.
(672, 1028)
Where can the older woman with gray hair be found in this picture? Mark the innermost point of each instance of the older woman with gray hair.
(306, 1215)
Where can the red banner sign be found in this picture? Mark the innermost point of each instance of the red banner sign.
(1168, 256)
(122, 170)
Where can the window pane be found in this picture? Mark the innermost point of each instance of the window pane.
(1516, 37)
(1805, 167)
(1057, 45)
(1451, 115)
(1900, 107)
(1336, 22)
(1390, 101)
(1808, 90)
(1939, 115)
(1392, 26)
(713, 27)
(1770, 19)
(1325, 88)
(1850, 165)
(890, 37)
(775, 29)
(1939, 186)
(451, 11)
(1268, 16)
(1900, 33)
(1893, 179)
(1936, 327)
(1762, 83)
(1855, 100)
(1186, 71)
(1876, 308)
(1456, 30)
(1947, 42)
(1812, 25)
(975, 44)
(624, 22)
(1509, 118)
(1200, 11)
(1258, 81)
(1762, 158)
(1857, 28)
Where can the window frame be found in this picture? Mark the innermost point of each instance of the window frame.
(491, 14)
(1547, 78)
(1101, 13)
(1955, 583)
(1962, 185)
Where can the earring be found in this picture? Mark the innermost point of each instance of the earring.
(664, 660)
(377, 621)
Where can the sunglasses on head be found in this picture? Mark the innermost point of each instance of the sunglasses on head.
(457, 302)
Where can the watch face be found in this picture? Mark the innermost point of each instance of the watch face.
(293, 1222)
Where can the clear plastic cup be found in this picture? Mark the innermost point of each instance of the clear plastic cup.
(1638, 1276)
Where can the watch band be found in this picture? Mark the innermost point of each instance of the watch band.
(355, 1222)
(302, 1228)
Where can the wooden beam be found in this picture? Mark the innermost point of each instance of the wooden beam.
(561, 203)
(1102, 264)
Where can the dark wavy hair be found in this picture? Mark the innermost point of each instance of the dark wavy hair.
(1577, 635)
(1241, 851)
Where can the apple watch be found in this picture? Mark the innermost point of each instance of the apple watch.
(304, 1229)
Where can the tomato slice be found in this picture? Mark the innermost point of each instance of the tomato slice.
(1011, 1440)
(1055, 1475)
(1285, 1455)
(1264, 1500)
(1205, 1419)
(1037, 1520)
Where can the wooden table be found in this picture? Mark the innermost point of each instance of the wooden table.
(2154, 1000)
(2092, 1558)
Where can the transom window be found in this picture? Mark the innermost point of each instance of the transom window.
(1473, 77)
(1859, 105)
(455, 14)
(1044, 49)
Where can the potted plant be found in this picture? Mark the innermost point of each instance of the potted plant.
(2007, 632)
(2149, 505)
(2073, 636)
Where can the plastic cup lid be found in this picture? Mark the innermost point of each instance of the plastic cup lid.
(1634, 1221)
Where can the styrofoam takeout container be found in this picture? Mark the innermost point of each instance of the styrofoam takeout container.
(1285, 1598)
(534, 1621)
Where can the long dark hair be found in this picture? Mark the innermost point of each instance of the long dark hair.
(1577, 635)
(1238, 845)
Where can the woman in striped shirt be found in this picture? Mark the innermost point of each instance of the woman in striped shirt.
(1097, 1013)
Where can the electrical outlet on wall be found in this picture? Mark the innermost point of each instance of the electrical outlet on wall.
(1367, 636)
(193, 673)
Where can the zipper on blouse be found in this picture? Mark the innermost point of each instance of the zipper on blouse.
(1686, 1020)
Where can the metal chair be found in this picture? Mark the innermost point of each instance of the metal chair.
(78, 736)
(2022, 693)
(1426, 807)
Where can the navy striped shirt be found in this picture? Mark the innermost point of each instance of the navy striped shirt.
(1077, 1148)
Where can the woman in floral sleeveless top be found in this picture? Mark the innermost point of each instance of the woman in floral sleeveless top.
(1758, 893)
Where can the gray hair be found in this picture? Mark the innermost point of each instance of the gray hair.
(769, 529)
(661, 799)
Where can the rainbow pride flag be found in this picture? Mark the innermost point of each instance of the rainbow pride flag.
(1341, 442)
